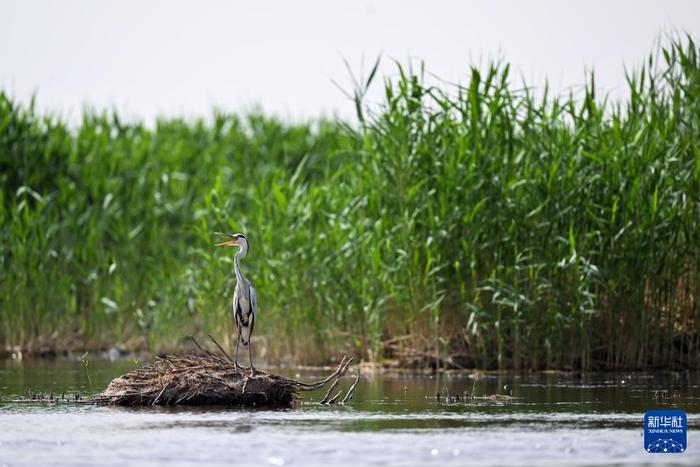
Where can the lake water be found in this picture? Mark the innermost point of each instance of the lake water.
(394, 419)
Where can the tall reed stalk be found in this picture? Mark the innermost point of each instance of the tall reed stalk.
(487, 225)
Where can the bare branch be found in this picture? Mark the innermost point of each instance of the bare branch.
(351, 391)
(220, 348)
(328, 393)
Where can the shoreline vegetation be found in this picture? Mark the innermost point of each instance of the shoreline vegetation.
(486, 226)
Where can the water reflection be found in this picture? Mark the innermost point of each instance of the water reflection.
(393, 419)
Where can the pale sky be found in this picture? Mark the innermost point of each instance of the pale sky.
(185, 58)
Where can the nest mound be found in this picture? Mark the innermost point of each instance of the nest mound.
(209, 380)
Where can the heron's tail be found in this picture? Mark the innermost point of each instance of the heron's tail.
(245, 335)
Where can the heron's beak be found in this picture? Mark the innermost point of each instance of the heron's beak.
(232, 242)
(229, 243)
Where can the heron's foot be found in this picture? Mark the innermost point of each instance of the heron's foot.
(235, 366)
(252, 370)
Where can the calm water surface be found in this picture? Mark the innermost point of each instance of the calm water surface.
(393, 420)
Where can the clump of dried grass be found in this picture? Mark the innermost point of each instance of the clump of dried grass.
(208, 380)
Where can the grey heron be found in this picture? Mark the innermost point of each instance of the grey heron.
(245, 300)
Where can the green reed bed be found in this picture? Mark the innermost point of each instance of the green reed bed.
(486, 225)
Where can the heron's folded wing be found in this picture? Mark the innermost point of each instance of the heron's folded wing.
(253, 307)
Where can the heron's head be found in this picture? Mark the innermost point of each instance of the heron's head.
(235, 240)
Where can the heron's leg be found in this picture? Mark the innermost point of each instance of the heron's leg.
(250, 355)
(235, 360)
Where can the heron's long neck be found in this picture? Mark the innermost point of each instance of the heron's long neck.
(237, 266)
